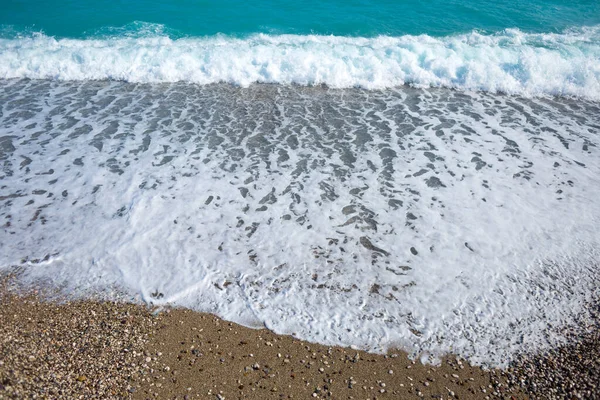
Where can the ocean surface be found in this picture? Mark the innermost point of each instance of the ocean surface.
(422, 175)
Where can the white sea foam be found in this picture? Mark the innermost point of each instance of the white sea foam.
(436, 220)
(511, 61)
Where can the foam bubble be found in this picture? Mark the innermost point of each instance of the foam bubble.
(436, 220)
(565, 64)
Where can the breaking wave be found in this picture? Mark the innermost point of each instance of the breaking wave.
(511, 61)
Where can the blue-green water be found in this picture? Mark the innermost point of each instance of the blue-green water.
(82, 18)
(528, 47)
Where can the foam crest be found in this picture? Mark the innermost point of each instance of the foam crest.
(565, 64)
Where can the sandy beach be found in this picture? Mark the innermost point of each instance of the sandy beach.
(92, 349)
(429, 220)
(330, 199)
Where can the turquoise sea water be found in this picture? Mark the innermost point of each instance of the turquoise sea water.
(532, 48)
(84, 18)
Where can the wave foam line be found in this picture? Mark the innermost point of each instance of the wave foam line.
(565, 64)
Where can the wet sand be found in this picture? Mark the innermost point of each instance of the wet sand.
(91, 349)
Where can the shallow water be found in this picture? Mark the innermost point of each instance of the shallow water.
(431, 219)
